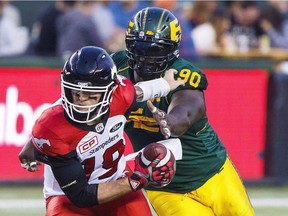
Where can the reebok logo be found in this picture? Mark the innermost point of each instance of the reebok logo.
(134, 184)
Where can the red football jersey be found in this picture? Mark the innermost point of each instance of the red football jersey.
(101, 154)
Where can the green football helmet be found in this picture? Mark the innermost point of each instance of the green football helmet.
(152, 41)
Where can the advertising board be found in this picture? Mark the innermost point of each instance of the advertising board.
(236, 106)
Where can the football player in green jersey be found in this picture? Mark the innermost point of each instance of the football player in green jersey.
(206, 182)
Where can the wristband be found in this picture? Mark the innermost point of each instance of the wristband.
(153, 89)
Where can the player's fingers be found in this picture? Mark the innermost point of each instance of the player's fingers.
(180, 82)
(34, 166)
(159, 113)
(163, 123)
(151, 107)
(169, 75)
(30, 166)
(171, 72)
(25, 166)
(166, 132)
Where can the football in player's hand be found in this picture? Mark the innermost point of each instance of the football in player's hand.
(162, 161)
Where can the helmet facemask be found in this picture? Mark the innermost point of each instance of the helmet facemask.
(87, 74)
(149, 59)
(86, 113)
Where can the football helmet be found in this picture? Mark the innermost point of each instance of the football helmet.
(88, 70)
(152, 41)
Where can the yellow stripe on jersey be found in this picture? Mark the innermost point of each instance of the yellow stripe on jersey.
(201, 129)
(138, 111)
(122, 69)
(143, 122)
(146, 120)
(158, 99)
(140, 125)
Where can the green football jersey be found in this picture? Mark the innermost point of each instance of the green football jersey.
(203, 152)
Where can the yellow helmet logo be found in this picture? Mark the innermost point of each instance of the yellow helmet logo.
(175, 30)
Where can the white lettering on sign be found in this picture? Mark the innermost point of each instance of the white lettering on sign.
(10, 111)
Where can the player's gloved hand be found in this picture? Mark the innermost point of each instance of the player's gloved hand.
(147, 174)
(160, 117)
(163, 174)
(143, 174)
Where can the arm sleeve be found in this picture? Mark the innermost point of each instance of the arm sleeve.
(124, 99)
(71, 177)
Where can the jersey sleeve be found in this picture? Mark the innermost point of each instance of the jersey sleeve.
(53, 135)
(56, 141)
(120, 59)
(45, 141)
(194, 78)
(124, 98)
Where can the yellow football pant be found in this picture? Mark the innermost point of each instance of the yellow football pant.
(223, 194)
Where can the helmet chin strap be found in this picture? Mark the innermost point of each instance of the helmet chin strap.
(83, 116)
(96, 121)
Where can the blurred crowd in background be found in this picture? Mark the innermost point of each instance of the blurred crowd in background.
(62, 27)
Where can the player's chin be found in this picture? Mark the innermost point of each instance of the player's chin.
(82, 110)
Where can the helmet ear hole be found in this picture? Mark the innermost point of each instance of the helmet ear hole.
(153, 34)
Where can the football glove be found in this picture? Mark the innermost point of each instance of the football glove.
(151, 174)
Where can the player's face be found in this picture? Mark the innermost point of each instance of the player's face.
(85, 98)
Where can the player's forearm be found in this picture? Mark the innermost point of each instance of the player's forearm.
(178, 121)
(27, 152)
(112, 190)
(186, 108)
(27, 157)
(139, 93)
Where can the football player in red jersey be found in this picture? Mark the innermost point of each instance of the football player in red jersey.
(80, 139)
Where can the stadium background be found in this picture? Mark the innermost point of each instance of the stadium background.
(246, 102)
